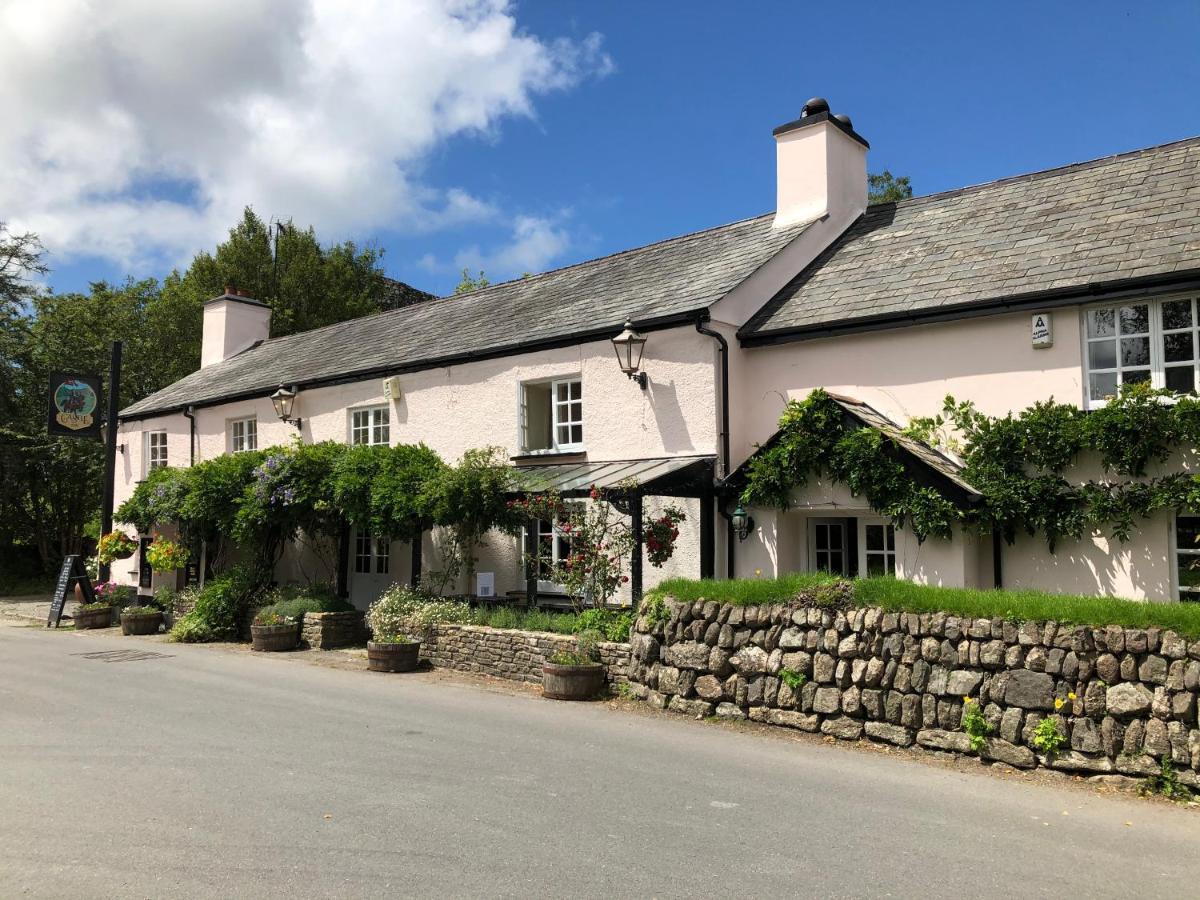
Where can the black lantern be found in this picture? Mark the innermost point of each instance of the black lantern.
(742, 522)
(629, 346)
(283, 400)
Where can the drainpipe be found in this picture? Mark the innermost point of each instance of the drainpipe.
(190, 412)
(723, 349)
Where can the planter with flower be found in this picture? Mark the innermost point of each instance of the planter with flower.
(115, 545)
(575, 674)
(148, 616)
(392, 618)
(108, 595)
(273, 633)
(165, 555)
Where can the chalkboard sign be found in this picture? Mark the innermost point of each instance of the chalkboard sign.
(145, 572)
(71, 573)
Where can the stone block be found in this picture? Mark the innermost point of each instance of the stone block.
(824, 666)
(1128, 700)
(697, 708)
(708, 687)
(1153, 670)
(964, 683)
(1029, 690)
(999, 750)
(845, 728)
(827, 700)
(891, 734)
(1085, 736)
(688, 655)
(939, 739)
(790, 719)
(729, 711)
(1072, 761)
(1172, 645)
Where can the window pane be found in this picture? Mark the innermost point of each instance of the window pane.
(876, 564)
(252, 435)
(576, 434)
(1102, 354)
(1135, 351)
(1189, 572)
(1103, 385)
(891, 541)
(1101, 323)
(874, 537)
(835, 538)
(1187, 533)
(1181, 379)
(1135, 319)
(576, 390)
(1177, 314)
(564, 393)
(1177, 347)
(1136, 377)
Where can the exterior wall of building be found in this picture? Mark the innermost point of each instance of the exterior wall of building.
(463, 407)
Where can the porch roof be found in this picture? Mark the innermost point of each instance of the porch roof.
(670, 476)
(943, 471)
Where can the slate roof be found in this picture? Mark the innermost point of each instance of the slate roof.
(670, 278)
(1130, 216)
(664, 476)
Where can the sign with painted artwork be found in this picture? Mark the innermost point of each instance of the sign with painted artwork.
(74, 406)
(1042, 334)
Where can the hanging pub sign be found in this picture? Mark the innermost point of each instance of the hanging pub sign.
(74, 405)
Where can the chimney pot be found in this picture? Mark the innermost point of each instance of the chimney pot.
(814, 106)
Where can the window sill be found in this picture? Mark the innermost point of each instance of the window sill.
(536, 457)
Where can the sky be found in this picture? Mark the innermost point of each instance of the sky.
(515, 137)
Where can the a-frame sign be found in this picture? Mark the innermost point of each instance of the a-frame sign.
(72, 572)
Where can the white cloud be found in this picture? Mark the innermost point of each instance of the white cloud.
(534, 243)
(137, 130)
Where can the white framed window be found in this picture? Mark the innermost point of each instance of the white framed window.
(371, 425)
(243, 434)
(1153, 341)
(1187, 557)
(878, 543)
(553, 548)
(552, 416)
(828, 546)
(372, 555)
(156, 449)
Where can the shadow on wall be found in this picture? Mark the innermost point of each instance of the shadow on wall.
(668, 416)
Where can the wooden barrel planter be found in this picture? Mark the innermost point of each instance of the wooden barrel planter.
(274, 638)
(141, 622)
(93, 618)
(572, 682)
(391, 657)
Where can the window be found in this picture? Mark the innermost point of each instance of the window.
(1187, 557)
(552, 415)
(156, 450)
(553, 547)
(879, 541)
(829, 546)
(370, 426)
(1153, 341)
(243, 435)
(371, 554)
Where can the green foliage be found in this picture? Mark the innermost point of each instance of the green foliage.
(612, 624)
(1166, 783)
(793, 679)
(165, 555)
(401, 612)
(975, 725)
(904, 596)
(1016, 462)
(220, 605)
(164, 598)
(1048, 737)
(472, 283)
(385, 490)
(884, 187)
(586, 652)
(654, 607)
(294, 601)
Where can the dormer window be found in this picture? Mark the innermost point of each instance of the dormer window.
(552, 416)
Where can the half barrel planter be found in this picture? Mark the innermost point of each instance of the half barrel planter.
(572, 682)
(275, 638)
(141, 623)
(93, 618)
(393, 657)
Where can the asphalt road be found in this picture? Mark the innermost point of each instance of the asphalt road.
(218, 773)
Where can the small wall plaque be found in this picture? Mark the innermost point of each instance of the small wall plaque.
(1043, 333)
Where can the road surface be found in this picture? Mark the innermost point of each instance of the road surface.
(219, 773)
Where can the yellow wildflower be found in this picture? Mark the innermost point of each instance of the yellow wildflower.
(966, 699)
(1058, 704)
(1071, 695)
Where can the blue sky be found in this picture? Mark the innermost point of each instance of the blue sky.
(675, 134)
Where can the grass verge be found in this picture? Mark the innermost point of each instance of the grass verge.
(894, 594)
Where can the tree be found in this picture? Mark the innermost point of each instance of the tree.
(470, 283)
(884, 187)
(21, 256)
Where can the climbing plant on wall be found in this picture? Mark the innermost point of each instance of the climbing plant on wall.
(1017, 462)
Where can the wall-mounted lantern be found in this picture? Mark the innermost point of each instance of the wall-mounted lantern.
(283, 400)
(741, 522)
(629, 346)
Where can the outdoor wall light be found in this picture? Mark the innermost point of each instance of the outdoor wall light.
(629, 346)
(283, 400)
(742, 522)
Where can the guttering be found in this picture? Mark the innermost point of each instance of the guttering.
(1048, 299)
(190, 412)
(660, 323)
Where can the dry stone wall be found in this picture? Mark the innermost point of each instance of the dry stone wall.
(330, 630)
(515, 655)
(1125, 699)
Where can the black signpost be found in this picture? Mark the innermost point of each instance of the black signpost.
(72, 572)
(145, 572)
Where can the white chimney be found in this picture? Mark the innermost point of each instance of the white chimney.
(821, 167)
(232, 323)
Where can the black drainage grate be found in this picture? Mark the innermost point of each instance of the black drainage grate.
(123, 655)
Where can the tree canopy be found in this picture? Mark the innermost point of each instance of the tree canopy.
(884, 187)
